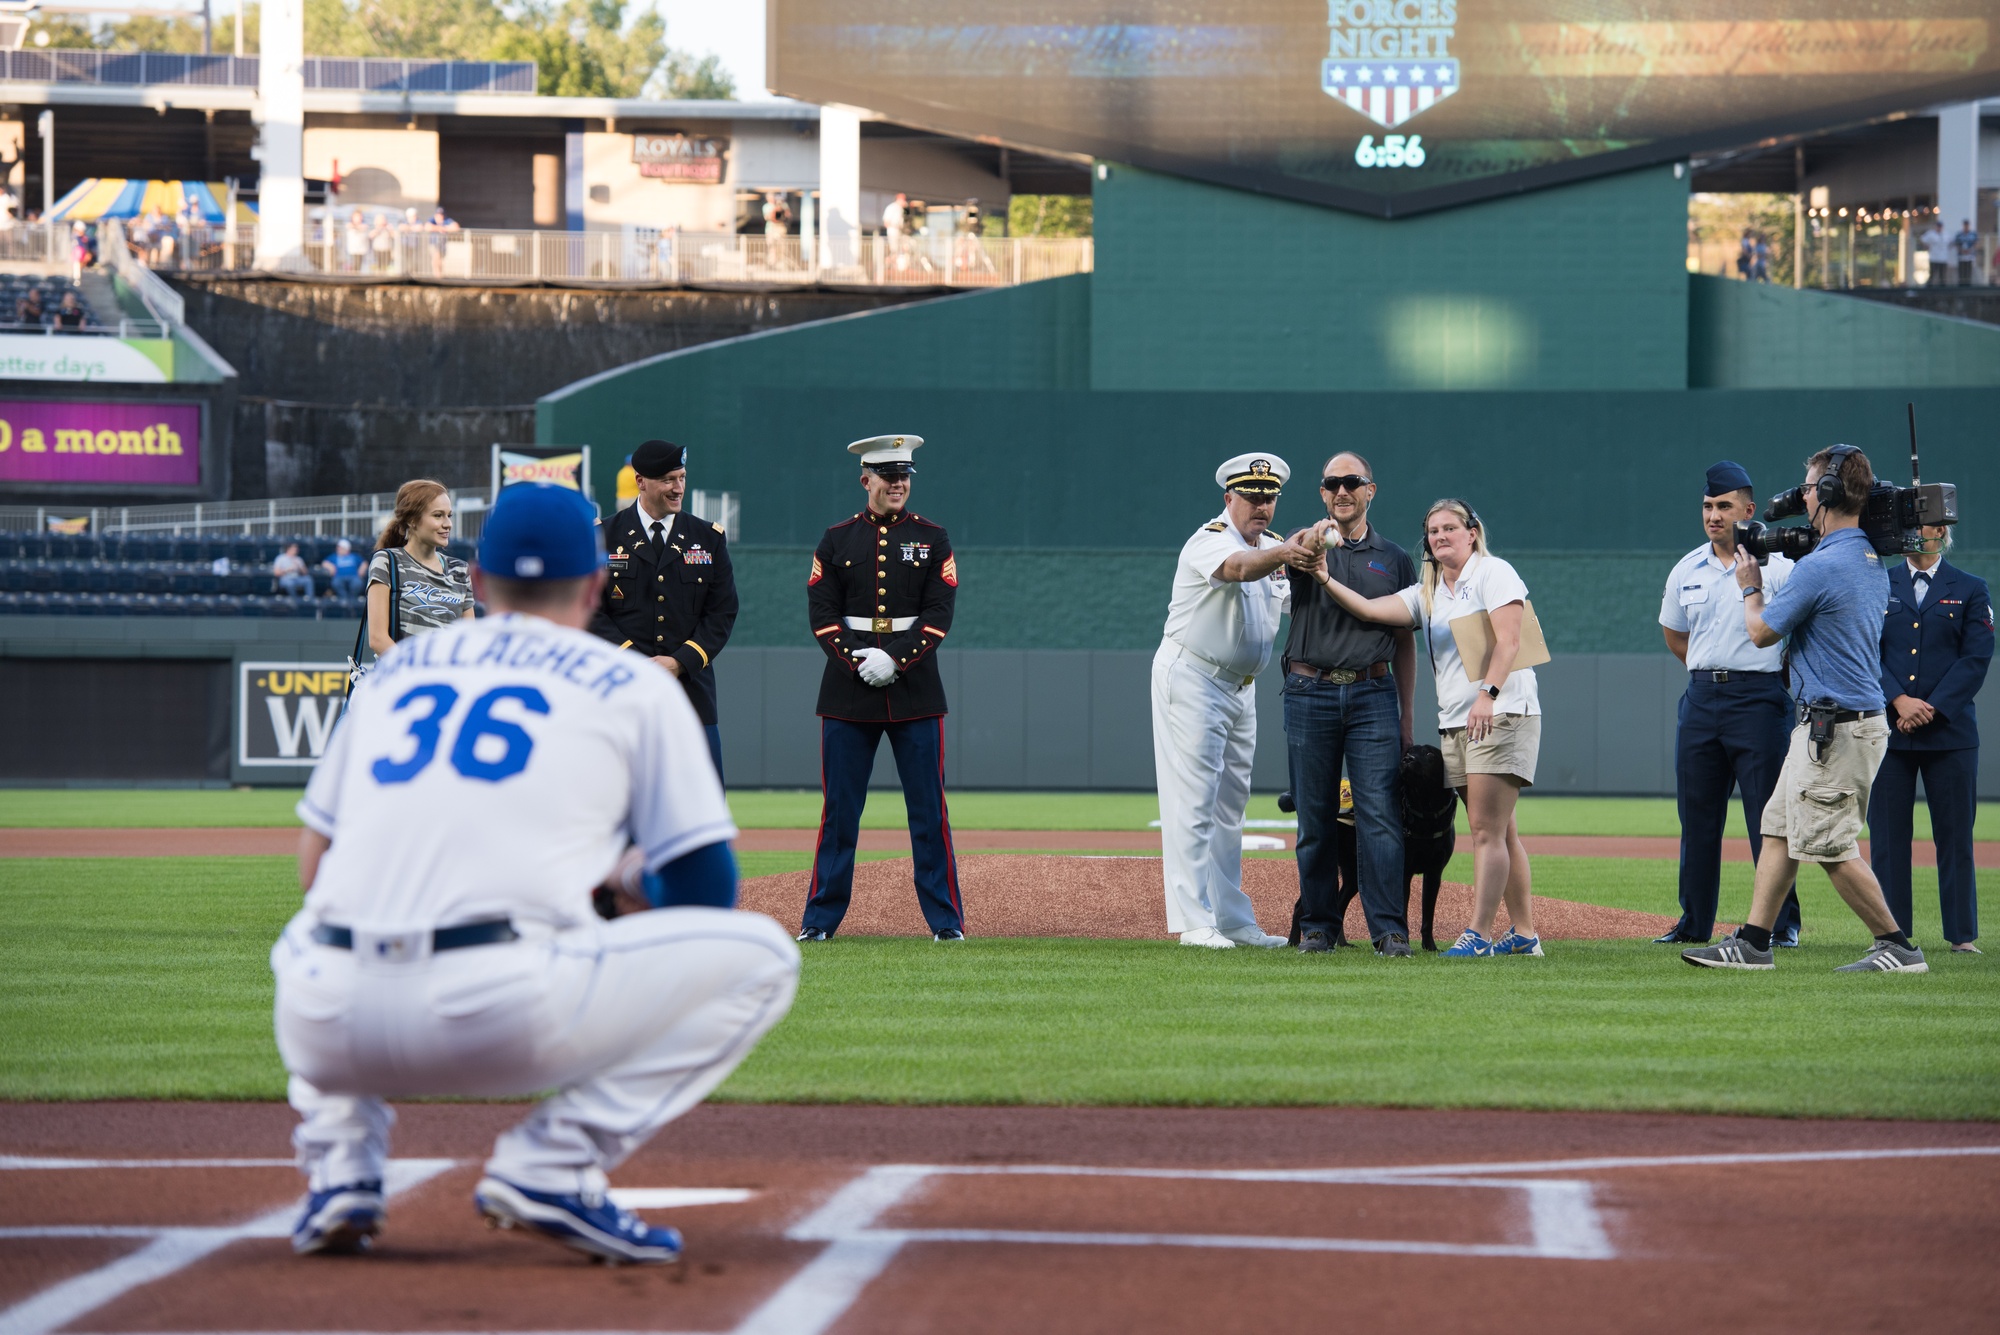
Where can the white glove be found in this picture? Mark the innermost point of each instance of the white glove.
(877, 668)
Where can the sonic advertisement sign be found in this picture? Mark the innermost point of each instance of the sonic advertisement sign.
(285, 712)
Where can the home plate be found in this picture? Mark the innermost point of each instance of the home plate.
(1252, 842)
(676, 1198)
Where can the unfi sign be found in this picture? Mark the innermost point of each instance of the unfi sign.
(100, 444)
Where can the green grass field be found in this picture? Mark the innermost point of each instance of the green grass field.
(147, 978)
(80, 808)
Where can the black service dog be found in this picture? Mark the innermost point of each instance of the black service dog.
(1429, 838)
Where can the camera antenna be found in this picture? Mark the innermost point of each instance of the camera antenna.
(1913, 446)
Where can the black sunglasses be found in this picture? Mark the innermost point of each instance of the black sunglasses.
(1351, 481)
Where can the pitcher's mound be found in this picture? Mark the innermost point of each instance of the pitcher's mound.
(1066, 895)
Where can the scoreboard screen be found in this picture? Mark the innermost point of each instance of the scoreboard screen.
(1384, 106)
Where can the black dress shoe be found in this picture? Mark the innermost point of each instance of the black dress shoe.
(814, 934)
(1314, 941)
(1677, 937)
(1785, 940)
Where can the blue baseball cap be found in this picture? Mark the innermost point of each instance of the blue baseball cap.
(1726, 477)
(537, 530)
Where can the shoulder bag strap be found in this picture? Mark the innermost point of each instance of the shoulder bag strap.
(395, 596)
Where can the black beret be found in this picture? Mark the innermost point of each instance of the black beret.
(657, 458)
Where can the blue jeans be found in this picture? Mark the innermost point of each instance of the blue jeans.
(347, 586)
(296, 586)
(1361, 724)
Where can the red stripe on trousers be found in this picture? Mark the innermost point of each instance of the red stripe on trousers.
(944, 814)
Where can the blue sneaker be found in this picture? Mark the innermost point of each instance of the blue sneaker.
(1470, 945)
(596, 1227)
(339, 1221)
(1515, 944)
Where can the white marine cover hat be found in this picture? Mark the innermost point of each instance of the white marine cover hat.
(886, 449)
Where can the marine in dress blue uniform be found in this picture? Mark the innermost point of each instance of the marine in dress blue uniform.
(880, 595)
(1937, 640)
(1735, 719)
(671, 594)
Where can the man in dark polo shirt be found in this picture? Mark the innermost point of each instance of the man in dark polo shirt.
(1349, 693)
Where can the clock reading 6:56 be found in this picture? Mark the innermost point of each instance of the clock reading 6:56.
(1396, 151)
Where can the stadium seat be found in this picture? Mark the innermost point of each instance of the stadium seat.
(41, 577)
(181, 583)
(152, 579)
(97, 578)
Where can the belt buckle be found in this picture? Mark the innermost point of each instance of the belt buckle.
(1342, 676)
(882, 626)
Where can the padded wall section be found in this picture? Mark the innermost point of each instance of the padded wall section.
(1025, 338)
(113, 719)
(1202, 287)
(1760, 336)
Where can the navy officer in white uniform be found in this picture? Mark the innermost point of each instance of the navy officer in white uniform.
(1735, 718)
(1221, 625)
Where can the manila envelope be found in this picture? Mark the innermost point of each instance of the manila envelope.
(1474, 636)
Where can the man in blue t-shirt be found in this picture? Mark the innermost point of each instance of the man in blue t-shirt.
(1832, 607)
(345, 567)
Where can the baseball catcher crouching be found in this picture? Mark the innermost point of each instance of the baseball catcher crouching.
(485, 779)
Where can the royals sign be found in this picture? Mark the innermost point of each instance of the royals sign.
(678, 157)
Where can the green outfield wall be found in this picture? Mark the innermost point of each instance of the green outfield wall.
(1545, 356)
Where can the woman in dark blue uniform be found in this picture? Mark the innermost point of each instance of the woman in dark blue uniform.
(1937, 640)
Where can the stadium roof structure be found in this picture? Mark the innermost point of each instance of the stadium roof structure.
(1386, 107)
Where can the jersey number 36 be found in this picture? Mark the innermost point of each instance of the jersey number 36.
(428, 731)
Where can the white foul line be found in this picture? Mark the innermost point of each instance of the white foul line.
(22, 1162)
(170, 1251)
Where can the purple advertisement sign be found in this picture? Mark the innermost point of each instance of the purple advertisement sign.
(100, 444)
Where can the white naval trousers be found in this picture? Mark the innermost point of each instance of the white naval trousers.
(632, 1022)
(1204, 738)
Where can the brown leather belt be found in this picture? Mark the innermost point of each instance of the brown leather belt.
(1340, 676)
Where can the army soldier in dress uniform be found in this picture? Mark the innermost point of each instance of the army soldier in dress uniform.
(880, 595)
(671, 593)
(1220, 628)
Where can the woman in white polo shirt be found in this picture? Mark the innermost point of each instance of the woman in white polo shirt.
(1490, 731)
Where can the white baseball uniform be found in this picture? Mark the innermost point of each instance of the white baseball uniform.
(497, 770)
(1218, 638)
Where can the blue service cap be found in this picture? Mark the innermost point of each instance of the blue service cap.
(1726, 477)
(537, 530)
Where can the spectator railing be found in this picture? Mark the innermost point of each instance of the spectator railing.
(35, 243)
(395, 248)
(136, 68)
(315, 516)
(167, 306)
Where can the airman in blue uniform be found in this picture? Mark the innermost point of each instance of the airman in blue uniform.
(1937, 640)
(1735, 718)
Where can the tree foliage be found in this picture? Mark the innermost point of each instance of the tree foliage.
(583, 48)
(1049, 215)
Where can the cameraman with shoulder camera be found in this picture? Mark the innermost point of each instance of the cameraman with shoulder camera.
(1832, 608)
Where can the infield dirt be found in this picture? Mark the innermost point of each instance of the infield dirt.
(1823, 1244)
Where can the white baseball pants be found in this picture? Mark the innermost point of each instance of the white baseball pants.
(1204, 738)
(632, 1022)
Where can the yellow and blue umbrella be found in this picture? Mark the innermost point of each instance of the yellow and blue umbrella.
(119, 197)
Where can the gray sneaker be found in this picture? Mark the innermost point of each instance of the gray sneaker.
(1394, 946)
(1888, 957)
(1731, 952)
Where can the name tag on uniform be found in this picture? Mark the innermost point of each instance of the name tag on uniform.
(1693, 593)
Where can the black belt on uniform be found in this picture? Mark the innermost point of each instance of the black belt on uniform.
(495, 933)
(1339, 676)
(1707, 674)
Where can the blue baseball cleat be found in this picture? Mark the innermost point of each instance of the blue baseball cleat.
(339, 1221)
(1515, 944)
(1470, 946)
(596, 1227)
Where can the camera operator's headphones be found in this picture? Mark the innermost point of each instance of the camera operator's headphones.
(1830, 491)
(1470, 516)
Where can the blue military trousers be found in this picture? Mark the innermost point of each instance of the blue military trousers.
(1732, 734)
(846, 759)
(1359, 723)
(1951, 780)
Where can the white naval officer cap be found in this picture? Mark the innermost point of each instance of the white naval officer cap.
(1258, 473)
(887, 454)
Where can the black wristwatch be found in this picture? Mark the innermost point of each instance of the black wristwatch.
(1489, 690)
(1758, 590)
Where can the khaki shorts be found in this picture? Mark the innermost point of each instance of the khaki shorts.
(1818, 806)
(1511, 748)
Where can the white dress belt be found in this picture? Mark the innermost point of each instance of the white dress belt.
(877, 624)
(1208, 667)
